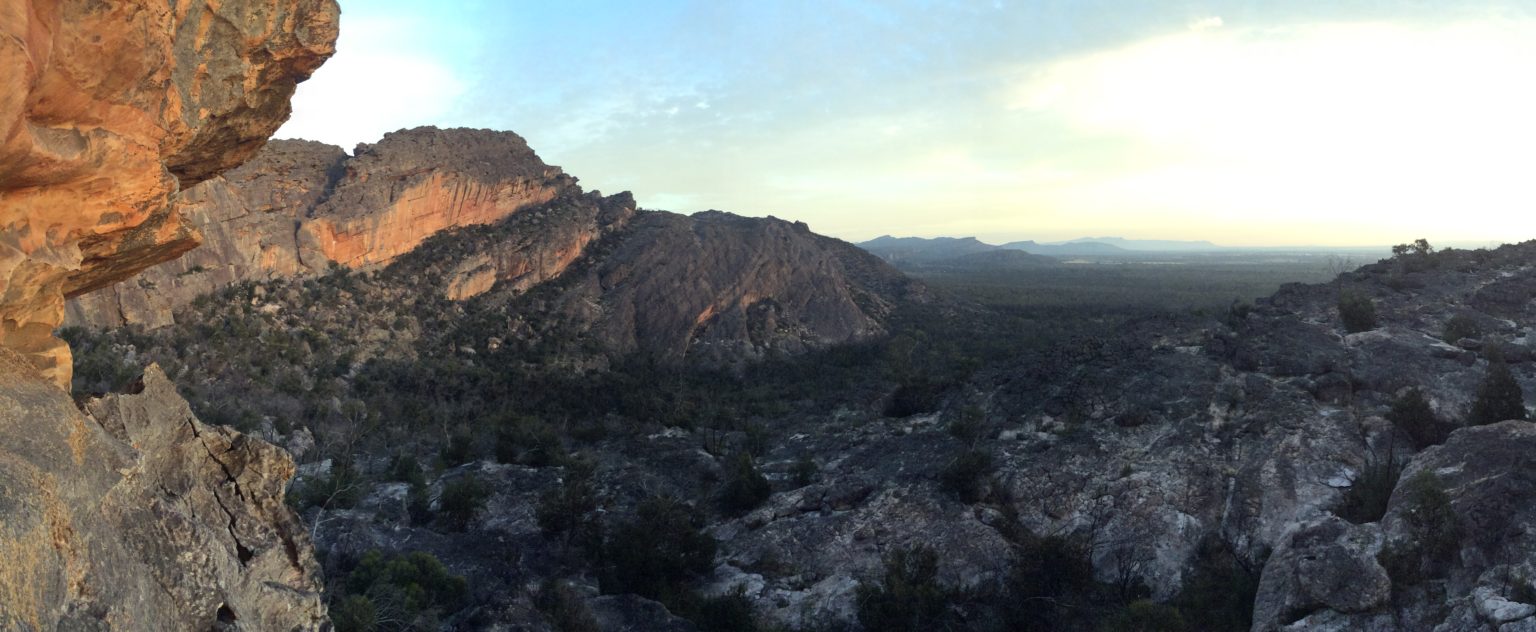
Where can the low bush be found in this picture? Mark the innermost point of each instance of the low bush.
(1499, 398)
(656, 552)
(1412, 416)
(909, 596)
(966, 475)
(570, 510)
(1144, 615)
(1357, 311)
(744, 488)
(1460, 326)
(1367, 496)
(354, 613)
(411, 591)
(564, 608)
(1219, 588)
(462, 500)
(805, 471)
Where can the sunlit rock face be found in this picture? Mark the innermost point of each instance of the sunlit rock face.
(300, 207)
(134, 515)
(107, 109)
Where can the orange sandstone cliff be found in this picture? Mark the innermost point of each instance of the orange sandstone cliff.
(107, 110)
(299, 207)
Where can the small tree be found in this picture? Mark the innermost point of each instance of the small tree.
(744, 488)
(909, 597)
(1415, 257)
(1366, 500)
(570, 510)
(1049, 573)
(1460, 326)
(966, 476)
(1357, 311)
(656, 552)
(1412, 415)
(564, 608)
(462, 499)
(1499, 398)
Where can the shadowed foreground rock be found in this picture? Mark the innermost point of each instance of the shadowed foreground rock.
(136, 516)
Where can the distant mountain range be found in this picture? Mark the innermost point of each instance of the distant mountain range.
(927, 251)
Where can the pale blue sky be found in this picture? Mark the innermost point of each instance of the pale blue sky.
(1239, 122)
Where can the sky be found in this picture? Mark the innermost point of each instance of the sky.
(1244, 123)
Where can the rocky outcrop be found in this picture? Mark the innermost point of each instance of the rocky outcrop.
(108, 110)
(133, 515)
(479, 214)
(1470, 570)
(719, 288)
(300, 207)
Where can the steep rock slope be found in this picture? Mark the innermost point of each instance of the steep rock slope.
(717, 289)
(713, 287)
(91, 152)
(300, 207)
(131, 514)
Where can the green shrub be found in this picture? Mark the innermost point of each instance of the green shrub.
(966, 475)
(730, 612)
(570, 510)
(1144, 615)
(418, 503)
(414, 588)
(804, 471)
(1367, 496)
(459, 450)
(1219, 588)
(404, 468)
(1357, 311)
(1050, 580)
(1499, 398)
(909, 596)
(461, 501)
(342, 488)
(1412, 416)
(917, 397)
(968, 426)
(354, 613)
(529, 441)
(744, 488)
(657, 551)
(564, 609)
(1431, 520)
(1460, 326)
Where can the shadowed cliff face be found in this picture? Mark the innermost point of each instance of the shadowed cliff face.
(107, 109)
(300, 207)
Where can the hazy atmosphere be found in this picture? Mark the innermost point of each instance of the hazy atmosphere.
(1242, 123)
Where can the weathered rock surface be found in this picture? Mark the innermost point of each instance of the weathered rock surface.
(135, 516)
(300, 207)
(471, 213)
(108, 109)
(720, 289)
